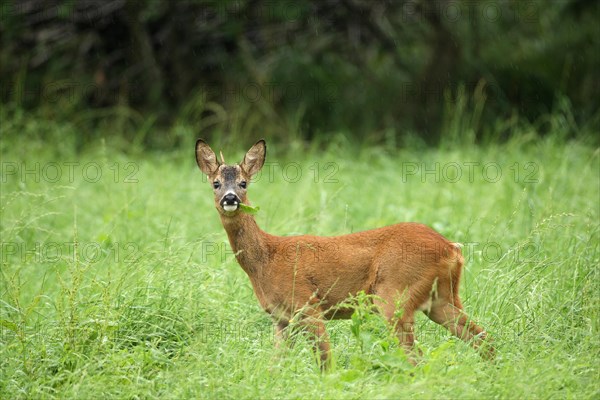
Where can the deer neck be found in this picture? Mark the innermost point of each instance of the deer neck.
(247, 241)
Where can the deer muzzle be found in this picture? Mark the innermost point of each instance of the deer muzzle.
(230, 202)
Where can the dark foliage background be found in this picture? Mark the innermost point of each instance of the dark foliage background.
(378, 71)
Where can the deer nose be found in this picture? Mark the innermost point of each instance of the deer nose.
(230, 198)
(230, 202)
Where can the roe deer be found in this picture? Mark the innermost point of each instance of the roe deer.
(407, 265)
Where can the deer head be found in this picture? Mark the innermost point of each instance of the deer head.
(230, 182)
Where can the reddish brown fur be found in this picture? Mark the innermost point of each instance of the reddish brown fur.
(308, 276)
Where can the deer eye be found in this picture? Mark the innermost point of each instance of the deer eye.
(243, 184)
(216, 184)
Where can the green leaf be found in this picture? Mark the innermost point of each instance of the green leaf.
(249, 209)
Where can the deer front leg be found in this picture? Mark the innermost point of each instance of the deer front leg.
(281, 333)
(318, 334)
(405, 332)
(403, 321)
(312, 323)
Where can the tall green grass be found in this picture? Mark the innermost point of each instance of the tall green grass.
(117, 280)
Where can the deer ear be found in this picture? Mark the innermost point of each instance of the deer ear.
(206, 158)
(255, 158)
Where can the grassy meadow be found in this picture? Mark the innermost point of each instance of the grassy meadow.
(118, 282)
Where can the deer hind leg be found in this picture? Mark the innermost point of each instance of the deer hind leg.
(451, 316)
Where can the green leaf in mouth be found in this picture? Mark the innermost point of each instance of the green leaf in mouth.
(249, 209)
